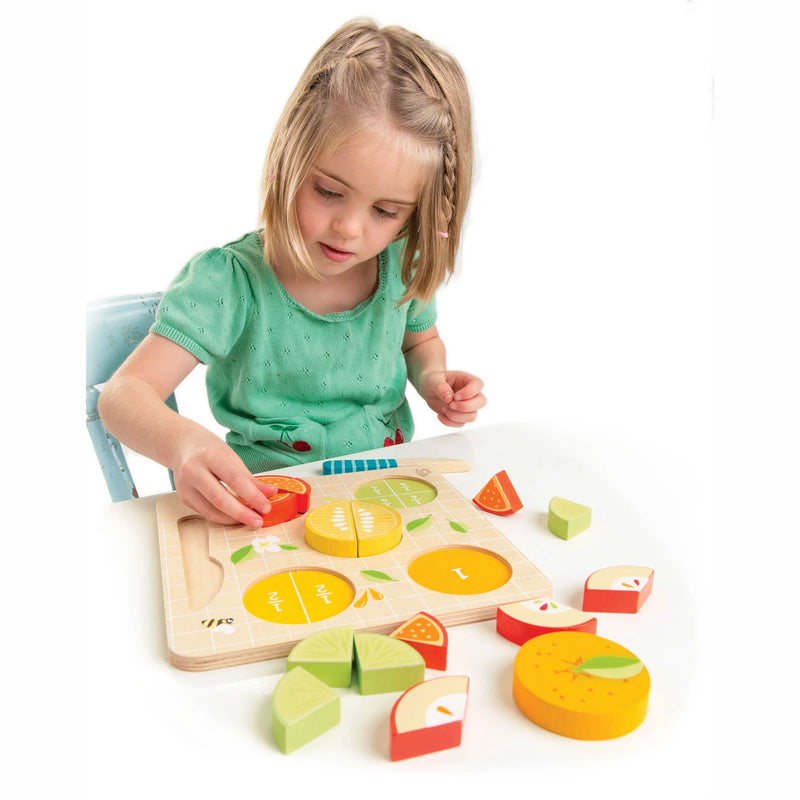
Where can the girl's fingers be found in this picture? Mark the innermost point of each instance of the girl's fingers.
(471, 391)
(218, 504)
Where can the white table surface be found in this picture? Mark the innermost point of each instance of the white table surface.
(150, 727)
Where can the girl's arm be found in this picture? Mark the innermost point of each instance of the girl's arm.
(456, 397)
(132, 407)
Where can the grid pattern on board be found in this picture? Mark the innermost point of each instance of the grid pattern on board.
(223, 632)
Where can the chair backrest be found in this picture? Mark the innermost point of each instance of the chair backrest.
(114, 327)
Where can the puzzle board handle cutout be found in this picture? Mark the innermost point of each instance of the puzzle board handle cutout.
(203, 575)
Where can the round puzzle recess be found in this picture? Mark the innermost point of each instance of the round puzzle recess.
(397, 492)
(299, 596)
(460, 570)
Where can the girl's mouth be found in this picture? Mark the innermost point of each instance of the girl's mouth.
(332, 254)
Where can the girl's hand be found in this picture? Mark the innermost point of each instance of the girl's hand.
(133, 409)
(456, 397)
(204, 463)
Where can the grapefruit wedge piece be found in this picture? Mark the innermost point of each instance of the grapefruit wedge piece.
(427, 636)
(498, 496)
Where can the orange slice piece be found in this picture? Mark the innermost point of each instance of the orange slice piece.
(285, 483)
(498, 496)
(580, 685)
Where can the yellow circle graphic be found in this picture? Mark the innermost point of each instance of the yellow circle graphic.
(460, 570)
(299, 596)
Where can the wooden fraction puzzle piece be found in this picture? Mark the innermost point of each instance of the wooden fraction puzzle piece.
(622, 589)
(427, 636)
(292, 499)
(428, 717)
(353, 529)
(581, 685)
(384, 664)
(498, 496)
(303, 708)
(520, 622)
(327, 655)
(567, 519)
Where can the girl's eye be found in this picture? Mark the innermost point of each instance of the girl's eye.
(382, 212)
(326, 193)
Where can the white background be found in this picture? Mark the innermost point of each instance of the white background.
(604, 287)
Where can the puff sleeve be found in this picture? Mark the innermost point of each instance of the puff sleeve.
(207, 306)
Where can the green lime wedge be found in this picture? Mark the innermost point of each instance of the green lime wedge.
(303, 707)
(567, 519)
(328, 655)
(385, 664)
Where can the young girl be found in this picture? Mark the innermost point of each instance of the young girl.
(312, 325)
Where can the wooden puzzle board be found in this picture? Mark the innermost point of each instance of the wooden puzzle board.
(299, 583)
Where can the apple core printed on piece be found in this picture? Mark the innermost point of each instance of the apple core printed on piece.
(567, 519)
(429, 717)
(303, 708)
(520, 622)
(622, 590)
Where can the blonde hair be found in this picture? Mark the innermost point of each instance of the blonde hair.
(390, 78)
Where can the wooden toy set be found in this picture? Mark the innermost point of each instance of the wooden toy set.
(427, 717)
(355, 576)
(364, 549)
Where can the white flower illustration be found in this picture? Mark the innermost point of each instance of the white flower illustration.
(268, 544)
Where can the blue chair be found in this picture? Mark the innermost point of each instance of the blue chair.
(114, 327)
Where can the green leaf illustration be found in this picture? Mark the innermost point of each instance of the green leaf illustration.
(419, 524)
(607, 662)
(287, 547)
(378, 576)
(243, 554)
(457, 526)
(615, 667)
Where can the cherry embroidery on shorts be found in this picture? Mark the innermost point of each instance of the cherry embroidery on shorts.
(398, 439)
(300, 446)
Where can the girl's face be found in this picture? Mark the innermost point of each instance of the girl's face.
(355, 201)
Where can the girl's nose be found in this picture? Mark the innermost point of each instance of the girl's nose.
(347, 224)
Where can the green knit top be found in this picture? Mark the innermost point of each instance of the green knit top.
(292, 386)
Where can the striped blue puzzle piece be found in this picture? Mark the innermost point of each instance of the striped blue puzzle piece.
(342, 466)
